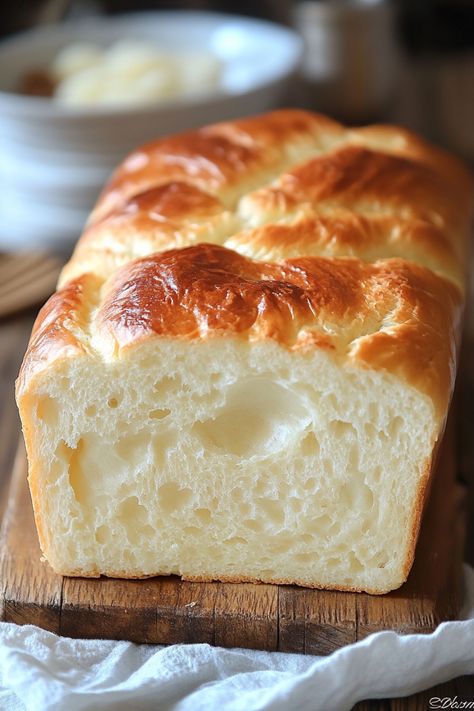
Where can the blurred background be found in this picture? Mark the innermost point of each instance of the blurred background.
(400, 61)
(68, 114)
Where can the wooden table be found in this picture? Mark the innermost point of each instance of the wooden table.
(14, 334)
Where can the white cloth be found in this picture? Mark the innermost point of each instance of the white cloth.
(42, 672)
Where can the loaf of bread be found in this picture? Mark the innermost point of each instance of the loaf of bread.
(246, 370)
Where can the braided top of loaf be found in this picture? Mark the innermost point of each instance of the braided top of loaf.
(282, 185)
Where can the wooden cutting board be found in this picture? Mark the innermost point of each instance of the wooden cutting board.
(269, 617)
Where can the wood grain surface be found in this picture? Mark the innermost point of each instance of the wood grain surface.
(269, 617)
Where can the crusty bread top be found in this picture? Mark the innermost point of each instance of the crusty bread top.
(356, 243)
(281, 185)
(390, 315)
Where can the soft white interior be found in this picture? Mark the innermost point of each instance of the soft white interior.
(228, 459)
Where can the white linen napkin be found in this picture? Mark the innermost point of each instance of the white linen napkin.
(40, 671)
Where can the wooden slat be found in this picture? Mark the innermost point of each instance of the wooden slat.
(246, 615)
(292, 619)
(316, 621)
(191, 619)
(101, 608)
(330, 621)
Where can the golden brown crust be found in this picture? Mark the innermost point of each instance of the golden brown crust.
(391, 315)
(171, 215)
(375, 192)
(354, 176)
(60, 328)
(226, 157)
(216, 158)
(345, 233)
(167, 205)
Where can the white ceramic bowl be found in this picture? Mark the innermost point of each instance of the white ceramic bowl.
(55, 159)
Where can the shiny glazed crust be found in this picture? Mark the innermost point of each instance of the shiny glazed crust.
(282, 185)
(286, 226)
(391, 315)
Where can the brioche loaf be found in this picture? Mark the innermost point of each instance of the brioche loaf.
(247, 367)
